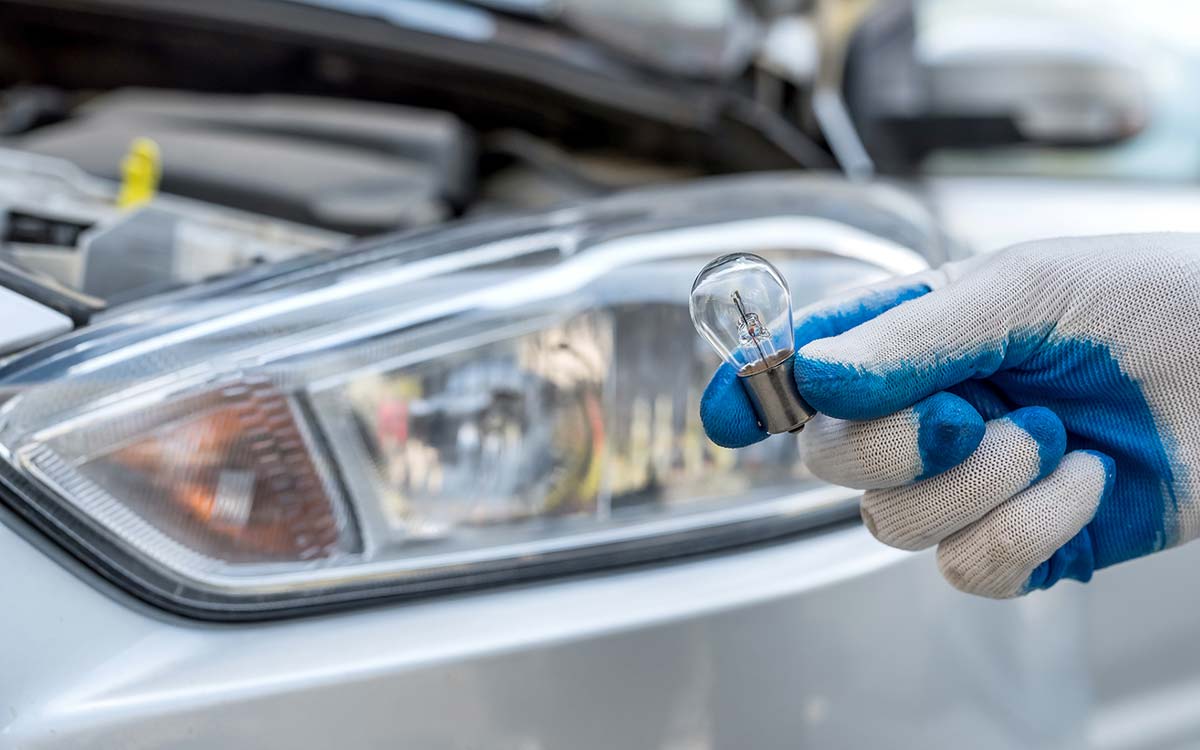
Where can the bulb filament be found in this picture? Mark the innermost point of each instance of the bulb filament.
(754, 328)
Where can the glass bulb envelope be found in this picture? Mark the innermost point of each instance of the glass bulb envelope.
(742, 307)
(476, 405)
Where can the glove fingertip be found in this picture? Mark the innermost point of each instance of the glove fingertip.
(949, 430)
(726, 412)
(1110, 470)
(1047, 430)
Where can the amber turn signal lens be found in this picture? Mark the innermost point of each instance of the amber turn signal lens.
(236, 481)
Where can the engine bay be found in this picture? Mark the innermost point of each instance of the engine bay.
(247, 180)
(282, 129)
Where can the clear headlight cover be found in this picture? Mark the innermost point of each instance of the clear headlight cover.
(476, 405)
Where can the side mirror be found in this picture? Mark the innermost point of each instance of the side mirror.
(976, 83)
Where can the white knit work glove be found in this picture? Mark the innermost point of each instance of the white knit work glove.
(1030, 412)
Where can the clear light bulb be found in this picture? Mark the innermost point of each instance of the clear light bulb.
(741, 305)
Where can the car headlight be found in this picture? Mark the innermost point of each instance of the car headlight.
(475, 405)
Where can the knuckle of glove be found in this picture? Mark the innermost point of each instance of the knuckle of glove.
(996, 555)
(1015, 452)
(924, 440)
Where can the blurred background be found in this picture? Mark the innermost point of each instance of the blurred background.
(386, 114)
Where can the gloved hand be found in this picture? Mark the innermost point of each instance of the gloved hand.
(1032, 412)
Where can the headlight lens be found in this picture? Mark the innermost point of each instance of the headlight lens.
(399, 421)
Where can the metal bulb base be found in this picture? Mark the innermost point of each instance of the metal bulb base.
(776, 399)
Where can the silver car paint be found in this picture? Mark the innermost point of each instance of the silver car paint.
(827, 641)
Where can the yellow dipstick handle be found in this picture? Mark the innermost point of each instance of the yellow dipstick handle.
(140, 171)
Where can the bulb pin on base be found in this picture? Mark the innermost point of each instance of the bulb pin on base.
(741, 305)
